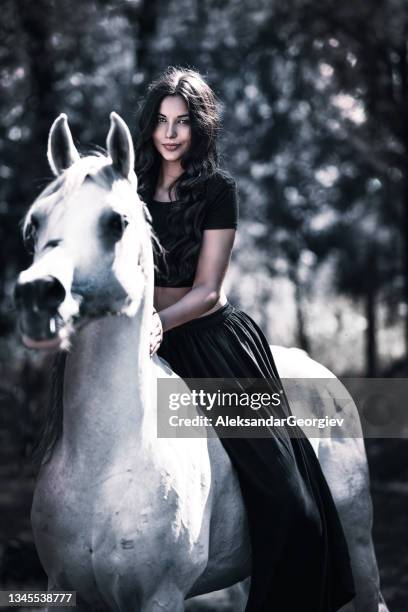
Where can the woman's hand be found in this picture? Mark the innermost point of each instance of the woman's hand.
(156, 333)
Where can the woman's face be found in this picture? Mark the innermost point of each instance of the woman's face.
(172, 136)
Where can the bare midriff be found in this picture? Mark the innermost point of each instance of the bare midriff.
(167, 296)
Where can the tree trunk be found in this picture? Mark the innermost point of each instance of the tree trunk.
(35, 22)
(371, 333)
(302, 338)
(404, 230)
(370, 311)
(142, 19)
(403, 75)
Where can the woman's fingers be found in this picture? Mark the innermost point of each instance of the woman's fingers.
(158, 328)
(156, 334)
(154, 346)
(154, 350)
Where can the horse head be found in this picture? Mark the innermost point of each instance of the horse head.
(90, 240)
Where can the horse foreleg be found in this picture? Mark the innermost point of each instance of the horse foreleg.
(80, 606)
(165, 598)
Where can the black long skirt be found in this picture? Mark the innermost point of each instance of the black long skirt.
(300, 558)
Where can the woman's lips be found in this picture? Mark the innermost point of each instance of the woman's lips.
(171, 147)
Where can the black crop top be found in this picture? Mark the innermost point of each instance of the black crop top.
(221, 212)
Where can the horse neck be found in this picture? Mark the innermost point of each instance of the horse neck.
(107, 385)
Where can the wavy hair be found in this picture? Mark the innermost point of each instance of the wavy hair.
(200, 162)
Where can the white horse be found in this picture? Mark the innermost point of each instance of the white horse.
(128, 520)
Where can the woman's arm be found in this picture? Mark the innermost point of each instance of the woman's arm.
(213, 260)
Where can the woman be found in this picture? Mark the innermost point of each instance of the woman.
(300, 559)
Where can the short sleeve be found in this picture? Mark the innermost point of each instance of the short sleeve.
(222, 211)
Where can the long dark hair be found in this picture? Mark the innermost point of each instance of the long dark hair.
(199, 163)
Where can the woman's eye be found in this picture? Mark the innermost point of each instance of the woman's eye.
(182, 121)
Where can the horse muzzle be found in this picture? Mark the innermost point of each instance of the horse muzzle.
(37, 302)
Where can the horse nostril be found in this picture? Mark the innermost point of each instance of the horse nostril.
(50, 292)
(18, 295)
(42, 293)
(24, 295)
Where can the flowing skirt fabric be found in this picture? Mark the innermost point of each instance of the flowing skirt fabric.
(300, 558)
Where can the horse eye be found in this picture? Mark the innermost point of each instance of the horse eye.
(114, 224)
(29, 241)
(30, 235)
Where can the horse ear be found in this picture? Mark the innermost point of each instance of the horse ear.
(120, 146)
(61, 151)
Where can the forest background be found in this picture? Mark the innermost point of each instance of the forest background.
(315, 130)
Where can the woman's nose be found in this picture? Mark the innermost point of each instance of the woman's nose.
(171, 130)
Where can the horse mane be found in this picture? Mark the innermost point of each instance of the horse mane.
(51, 428)
(97, 167)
